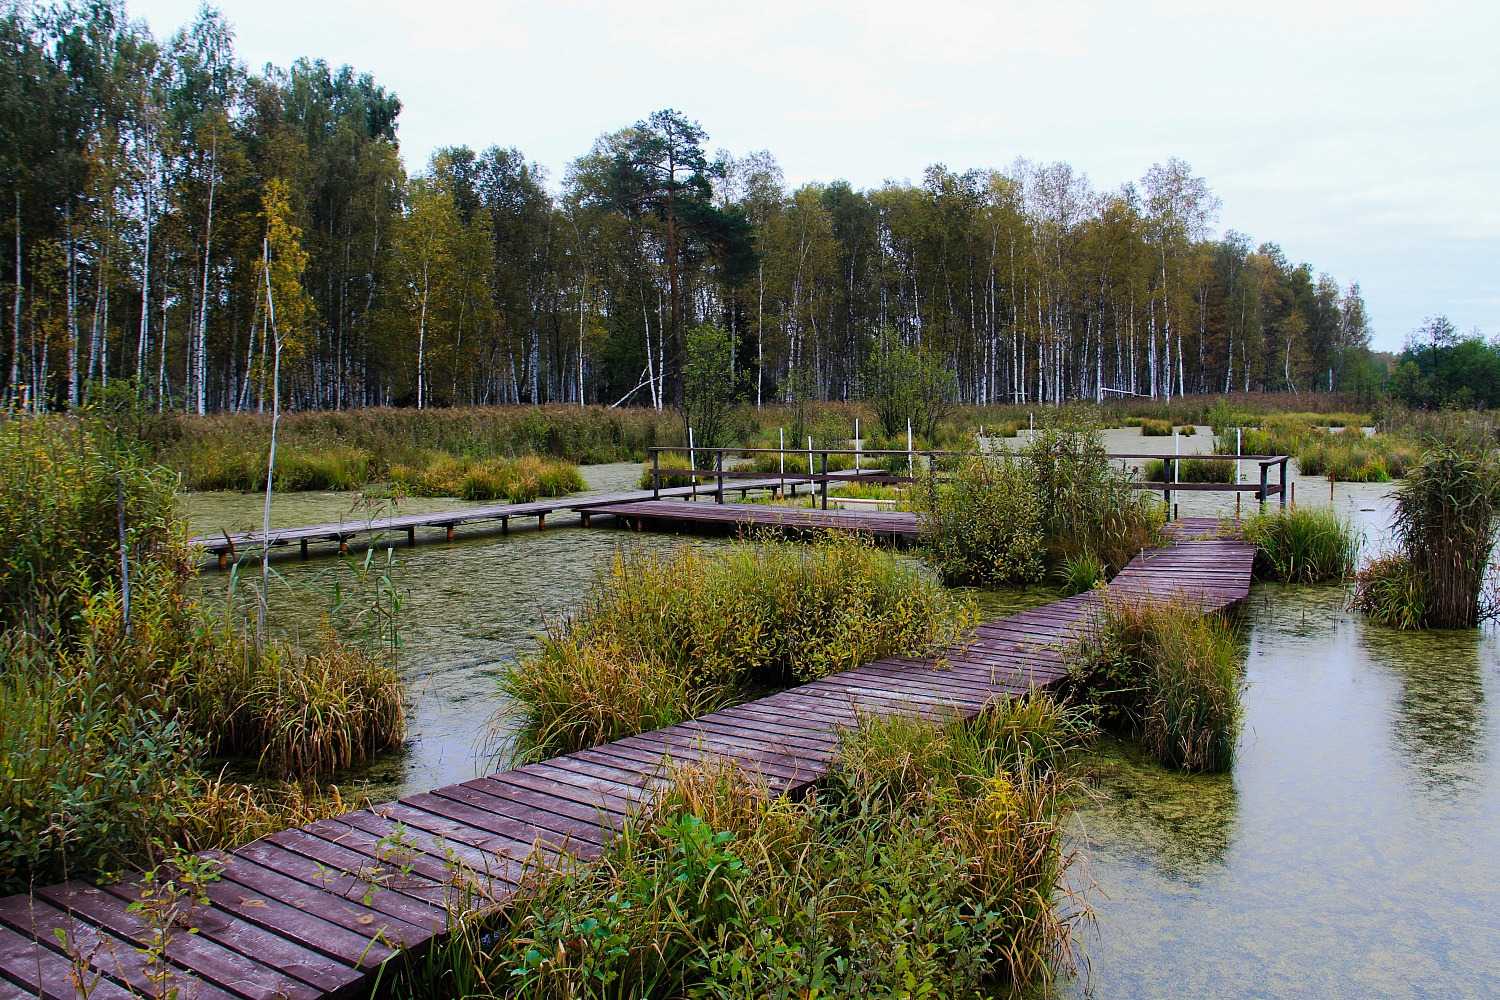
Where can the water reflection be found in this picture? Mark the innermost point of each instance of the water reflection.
(1438, 717)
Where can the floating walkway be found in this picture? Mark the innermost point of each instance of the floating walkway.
(741, 516)
(316, 911)
(227, 545)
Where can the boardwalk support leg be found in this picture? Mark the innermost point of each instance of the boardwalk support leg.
(303, 551)
(411, 536)
(584, 517)
(505, 526)
(343, 546)
(223, 558)
(541, 521)
(450, 532)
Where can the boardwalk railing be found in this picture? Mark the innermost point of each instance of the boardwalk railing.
(922, 466)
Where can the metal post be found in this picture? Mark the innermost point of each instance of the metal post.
(719, 469)
(825, 479)
(911, 472)
(655, 474)
(812, 473)
(692, 463)
(858, 447)
(781, 458)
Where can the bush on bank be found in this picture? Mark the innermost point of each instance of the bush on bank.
(931, 860)
(663, 637)
(113, 707)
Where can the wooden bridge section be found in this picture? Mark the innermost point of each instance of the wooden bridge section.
(741, 516)
(315, 911)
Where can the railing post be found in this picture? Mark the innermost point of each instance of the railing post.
(825, 479)
(655, 474)
(719, 472)
(1283, 481)
(1261, 493)
(931, 474)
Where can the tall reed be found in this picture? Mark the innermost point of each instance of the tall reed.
(1306, 545)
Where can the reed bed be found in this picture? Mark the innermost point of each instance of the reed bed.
(518, 480)
(1305, 545)
(1189, 470)
(1166, 674)
(664, 637)
(932, 859)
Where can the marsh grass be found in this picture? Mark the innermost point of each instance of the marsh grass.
(518, 480)
(1445, 520)
(1156, 428)
(1190, 470)
(113, 707)
(662, 637)
(931, 860)
(1304, 545)
(1167, 675)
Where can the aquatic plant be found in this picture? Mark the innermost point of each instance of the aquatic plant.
(1445, 519)
(1390, 592)
(933, 856)
(1079, 573)
(1156, 428)
(1305, 545)
(1189, 470)
(1166, 674)
(518, 480)
(663, 637)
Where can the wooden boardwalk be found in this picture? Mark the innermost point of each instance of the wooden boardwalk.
(226, 545)
(315, 911)
(735, 516)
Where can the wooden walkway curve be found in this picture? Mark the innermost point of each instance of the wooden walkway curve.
(313, 912)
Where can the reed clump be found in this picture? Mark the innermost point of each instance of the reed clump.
(1166, 674)
(933, 855)
(519, 480)
(1189, 470)
(663, 637)
(1445, 520)
(1305, 545)
(1156, 428)
(119, 689)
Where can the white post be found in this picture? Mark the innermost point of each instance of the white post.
(910, 462)
(692, 463)
(781, 436)
(809, 459)
(1237, 432)
(858, 447)
(1031, 419)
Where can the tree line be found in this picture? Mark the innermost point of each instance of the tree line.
(174, 219)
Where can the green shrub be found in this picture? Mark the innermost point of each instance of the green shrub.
(1303, 545)
(1166, 674)
(664, 637)
(723, 890)
(1082, 572)
(986, 527)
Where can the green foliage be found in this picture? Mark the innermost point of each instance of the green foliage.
(665, 637)
(1166, 674)
(1004, 519)
(708, 384)
(986, 526)
(1156, 428)
(1439, 369)
(906, 383)
(1081, 572)
(933, 865)
(1304, 545)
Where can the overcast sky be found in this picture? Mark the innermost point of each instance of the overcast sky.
(1364, 138)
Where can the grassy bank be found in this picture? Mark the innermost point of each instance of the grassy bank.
(664, 637)
(929, 863)
(122, 697)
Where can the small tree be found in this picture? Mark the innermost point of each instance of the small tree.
(907, 384)
(709, 388)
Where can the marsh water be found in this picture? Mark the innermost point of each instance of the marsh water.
(1354, 850)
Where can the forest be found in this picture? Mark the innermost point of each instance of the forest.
(175, 220)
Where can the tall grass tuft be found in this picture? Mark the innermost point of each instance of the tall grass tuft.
(664, 637)
(932, 864)
(518, 480)
(1166, 674)
(1445, 520)
(1306, 545)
